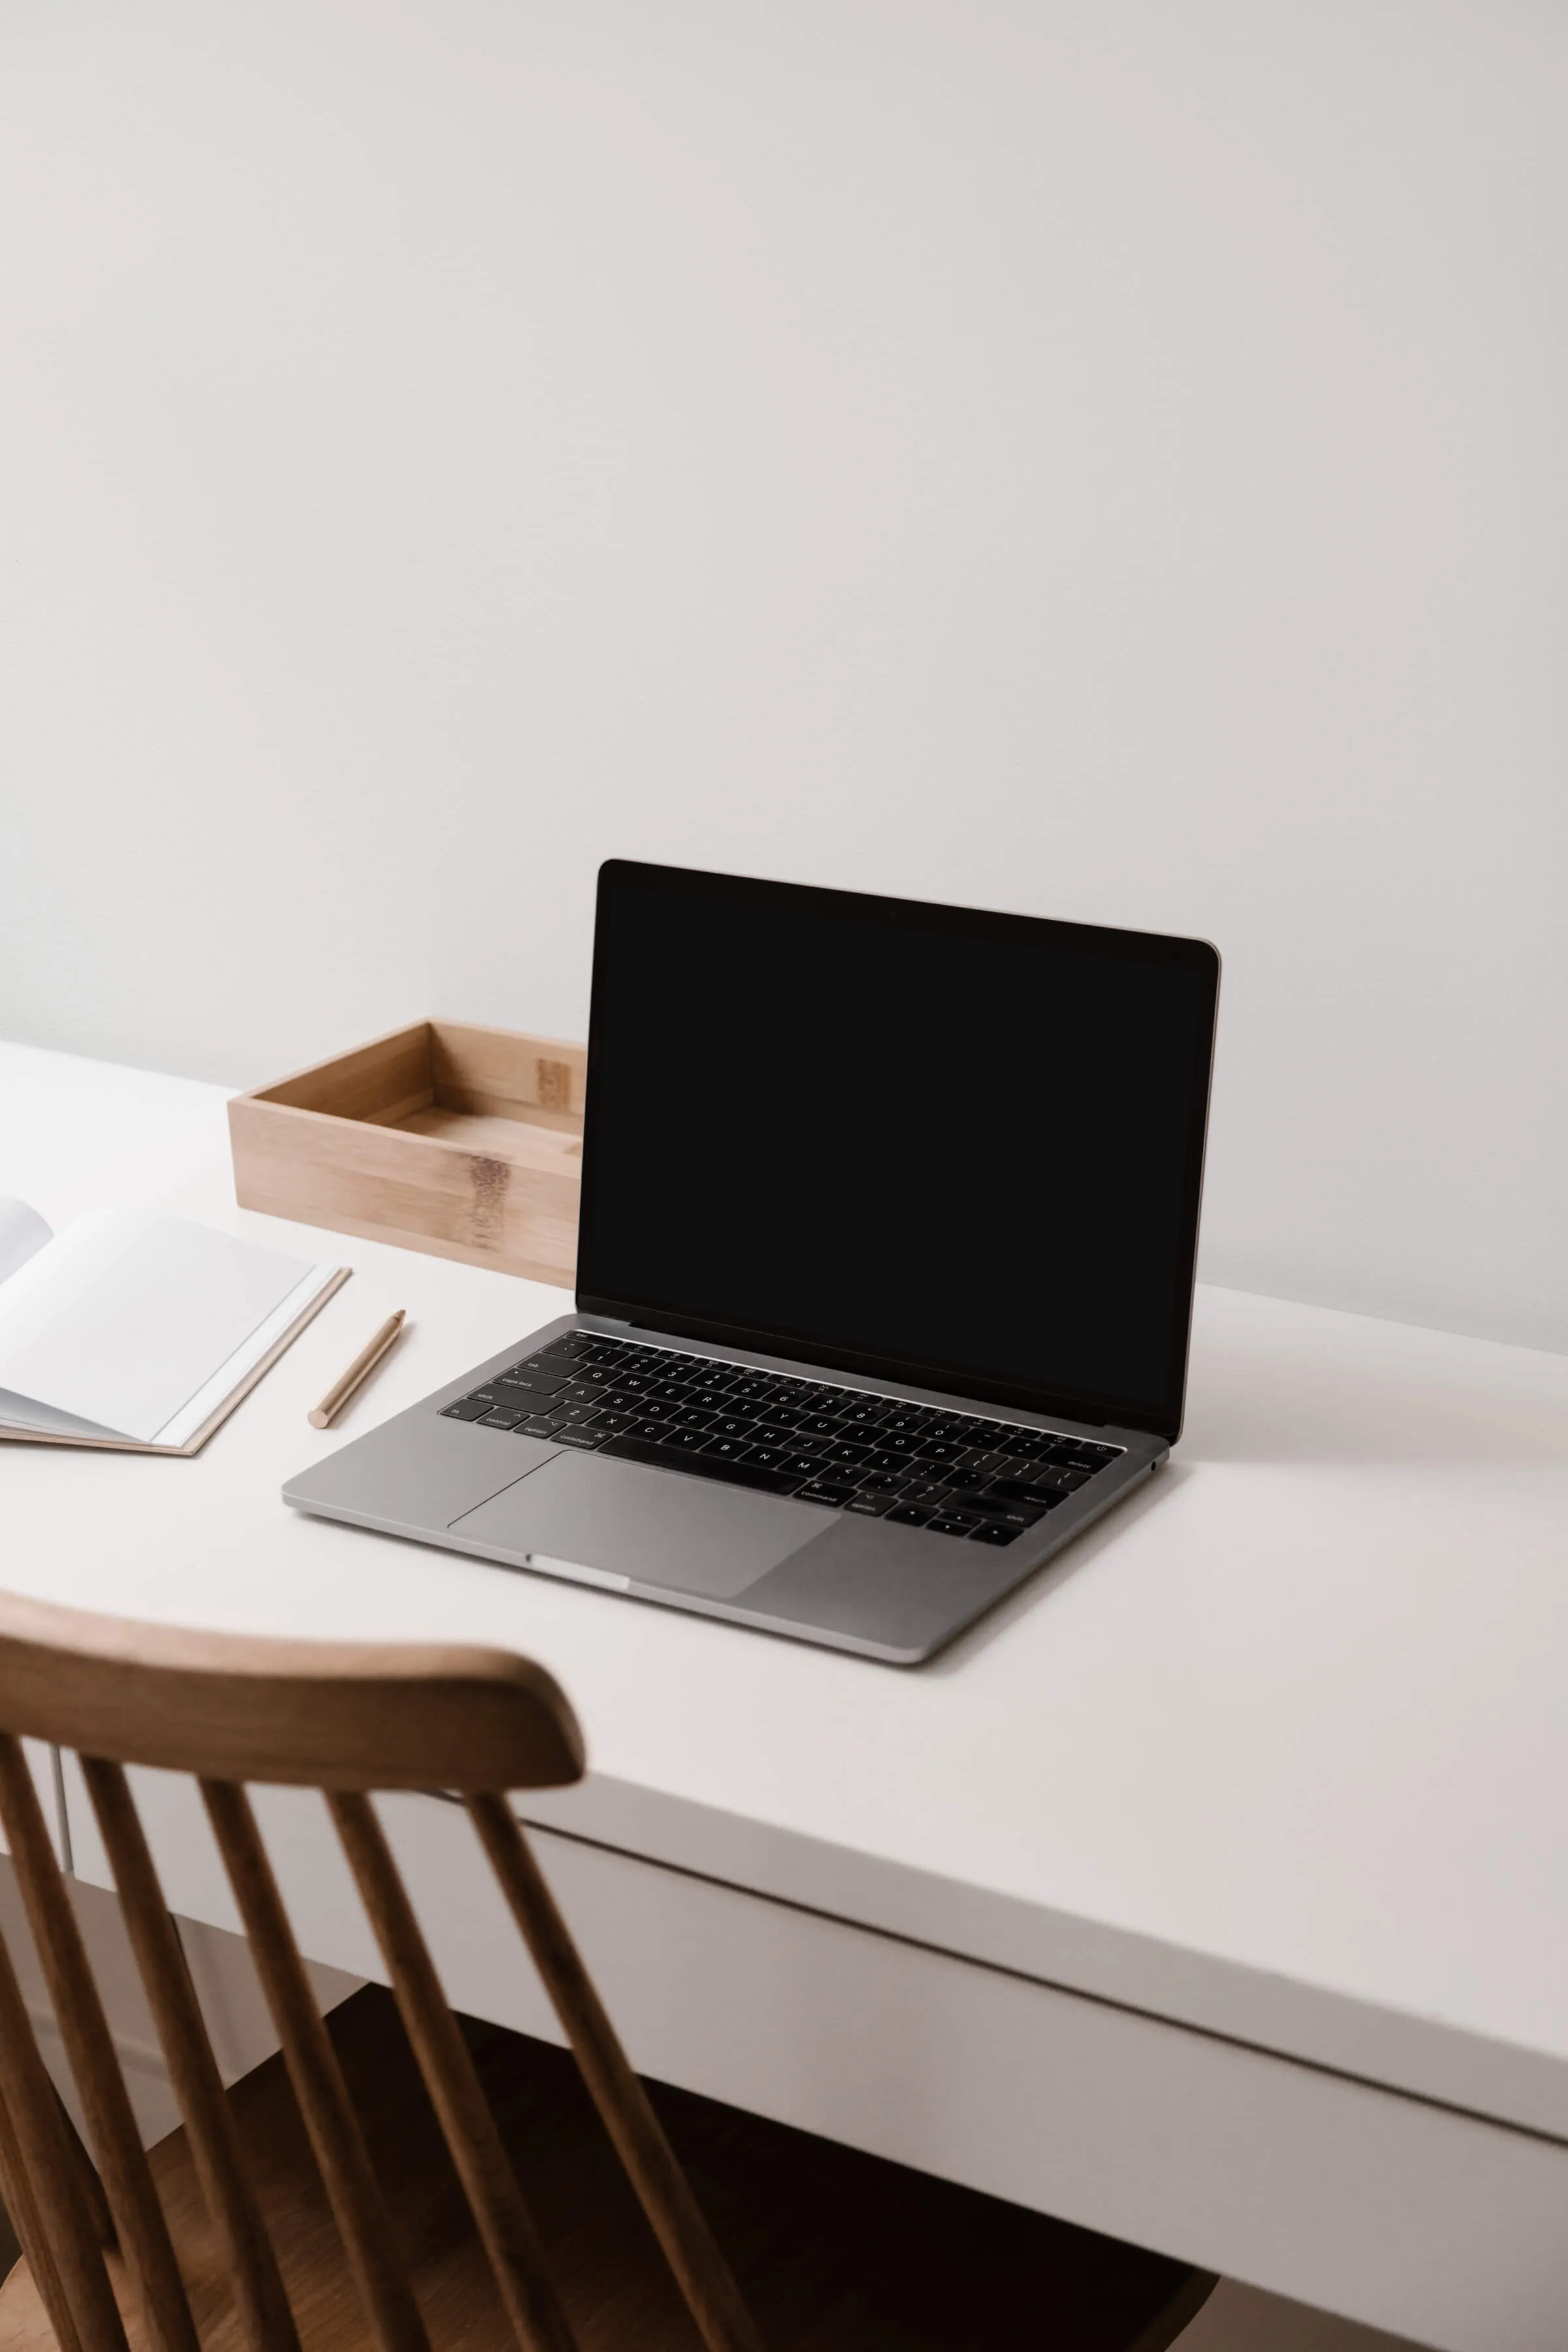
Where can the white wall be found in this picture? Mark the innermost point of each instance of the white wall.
(1102, 460)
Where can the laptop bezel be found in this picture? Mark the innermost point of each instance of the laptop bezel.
(1196, 957)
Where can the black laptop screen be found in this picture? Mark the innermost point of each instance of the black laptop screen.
(956, 1149)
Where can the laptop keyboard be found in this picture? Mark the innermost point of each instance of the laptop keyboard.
(954, 1474)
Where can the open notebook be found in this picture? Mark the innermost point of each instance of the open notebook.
(137, 1331)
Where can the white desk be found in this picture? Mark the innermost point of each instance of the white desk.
(1213, 1892)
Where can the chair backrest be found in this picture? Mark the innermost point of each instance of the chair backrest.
(347, 1719)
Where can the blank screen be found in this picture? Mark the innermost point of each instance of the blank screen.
(904, 1136)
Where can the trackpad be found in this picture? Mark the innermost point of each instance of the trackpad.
(618, 1521)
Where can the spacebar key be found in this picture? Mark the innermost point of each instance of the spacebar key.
(701, 1466)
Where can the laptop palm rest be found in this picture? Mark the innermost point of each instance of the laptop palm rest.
(615, 1523)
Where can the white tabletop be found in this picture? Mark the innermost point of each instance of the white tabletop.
(1278, 1750)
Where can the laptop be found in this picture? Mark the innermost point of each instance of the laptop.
(885, 1267)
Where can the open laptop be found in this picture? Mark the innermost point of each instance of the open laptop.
(884, 1275)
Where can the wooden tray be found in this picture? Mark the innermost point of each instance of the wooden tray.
(461, 1141)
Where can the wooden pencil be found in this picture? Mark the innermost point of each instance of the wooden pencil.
(338, 1395)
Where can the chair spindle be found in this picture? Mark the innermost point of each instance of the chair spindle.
(254, 2277)
(22, 2206)
(71, 2278)
(443, 2057)
(700, 2270)
(139, 2221)
(330, 2120)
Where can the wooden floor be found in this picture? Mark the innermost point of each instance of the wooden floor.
(834, 2251)
(823, 2259)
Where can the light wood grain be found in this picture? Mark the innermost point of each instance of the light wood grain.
(378, 1080)
(353, 1376)
(460, 1140)
(502, 1071)
(312, 1714)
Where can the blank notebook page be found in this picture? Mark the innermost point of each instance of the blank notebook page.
(125, 1316)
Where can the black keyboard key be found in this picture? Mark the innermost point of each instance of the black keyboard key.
(542, 1427)
(575, 1343)
(467, 1408)
(531, 1383)
(501, 1417)
(610, 1425)
(990, 1506)
(578, 1434)
(925, 1490)
(847, 1454)
(994, 1531)
(668, 1393)
(939, 1449)
(727, 1449)
(1060, 1482)
(870, 1506)
(908, 1514)
(772, 1432)
(945, 1524)
(818, 1425)
(732, 1425)
(700, 1465)
(987, 1465)
(886, 1458)
(805, 1466)
(1024, 1490)
(706, 1396)
(825, 1490)
(693, 1417)
(880, 1482)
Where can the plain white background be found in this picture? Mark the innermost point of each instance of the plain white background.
(1099, 460)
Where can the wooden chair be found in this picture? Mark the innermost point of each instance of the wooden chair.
(397, 2177)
